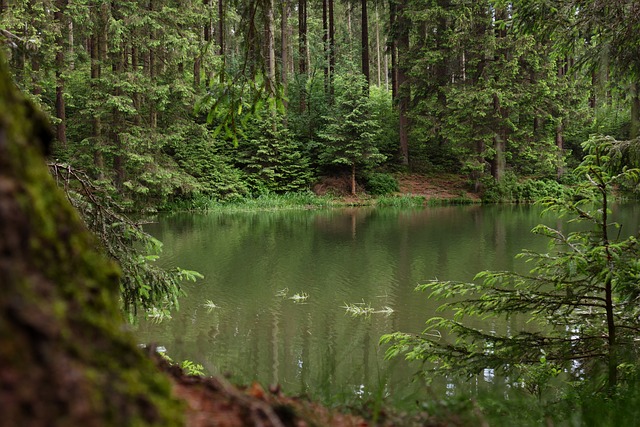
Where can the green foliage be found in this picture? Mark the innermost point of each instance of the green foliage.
(350, 135)
(512, 190)
(188, 367)
(235, 100)
(271, 202)
(271, 158)
(380, 184)
(191, 368)
(383, 113)
(198, 155)
(581, 299)
(143, 285)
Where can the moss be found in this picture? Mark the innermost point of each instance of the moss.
(66, 360)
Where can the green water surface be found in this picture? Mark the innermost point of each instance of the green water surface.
(280, 282)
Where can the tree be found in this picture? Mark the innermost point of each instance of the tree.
(143, 285)
(583, 296)
(61, 42)
(401, 32)
(271, 159)
(65, 359)
(350, 134)
(606, 30)
(364, 43)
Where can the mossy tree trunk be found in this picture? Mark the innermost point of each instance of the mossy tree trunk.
(64, 358)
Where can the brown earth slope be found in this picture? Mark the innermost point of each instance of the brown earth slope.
(438, 187)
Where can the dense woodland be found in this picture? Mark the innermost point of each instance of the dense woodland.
(169, 100)
(164, 102)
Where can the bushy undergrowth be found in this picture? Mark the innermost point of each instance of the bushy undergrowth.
(380, 184)
(511, 190)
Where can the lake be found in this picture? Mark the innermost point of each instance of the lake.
(271, 307)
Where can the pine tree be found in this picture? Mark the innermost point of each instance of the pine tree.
(582, 297)
(350, 135)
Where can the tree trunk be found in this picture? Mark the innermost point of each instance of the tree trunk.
(153, 113)
(498, 162)
(70, 48)
(560, 147)
(61, 128)
(365, 45)
(284, 45)
(478, 172)
(332, 50)
(65, 359)
(221, 39)
(96, 122)
(378, 50)
(349, 30)
(393, 51)
(35, 74)
(634, 130)
(325, 44)
(271, 49)
(609, 297)
(117, 125)
(353, 179)
(302, 51)
(404, 88)
(98, 49)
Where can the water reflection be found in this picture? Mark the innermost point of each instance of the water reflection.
(254, 263)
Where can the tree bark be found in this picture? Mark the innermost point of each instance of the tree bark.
(325, 44)
(152, 70)
(98, 49)
(560, 147)
(65, 358)
(634, 130)
(404, 88)
(61, 128)
(284, 45)
(393, 51)
(271, 49)
(221, 33)
(498, 162)
(365, 45)
(302, 51)
(378, 50)
(353, 179)
(332, 50)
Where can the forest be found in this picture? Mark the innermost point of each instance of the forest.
(179, 104)
(173, 101)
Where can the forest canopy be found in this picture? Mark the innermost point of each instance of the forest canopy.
(166, 101)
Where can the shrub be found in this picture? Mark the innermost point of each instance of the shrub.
(511, 190)
(381, 184)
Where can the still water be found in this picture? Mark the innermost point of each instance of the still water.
(271, 305)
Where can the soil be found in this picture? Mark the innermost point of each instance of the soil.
(438, 187)
(213, 401)
(431, 187)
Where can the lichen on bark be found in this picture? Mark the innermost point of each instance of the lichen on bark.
(64, 358)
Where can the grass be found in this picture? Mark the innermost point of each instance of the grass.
(404, 201)
(266, 202)
(308, 200)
